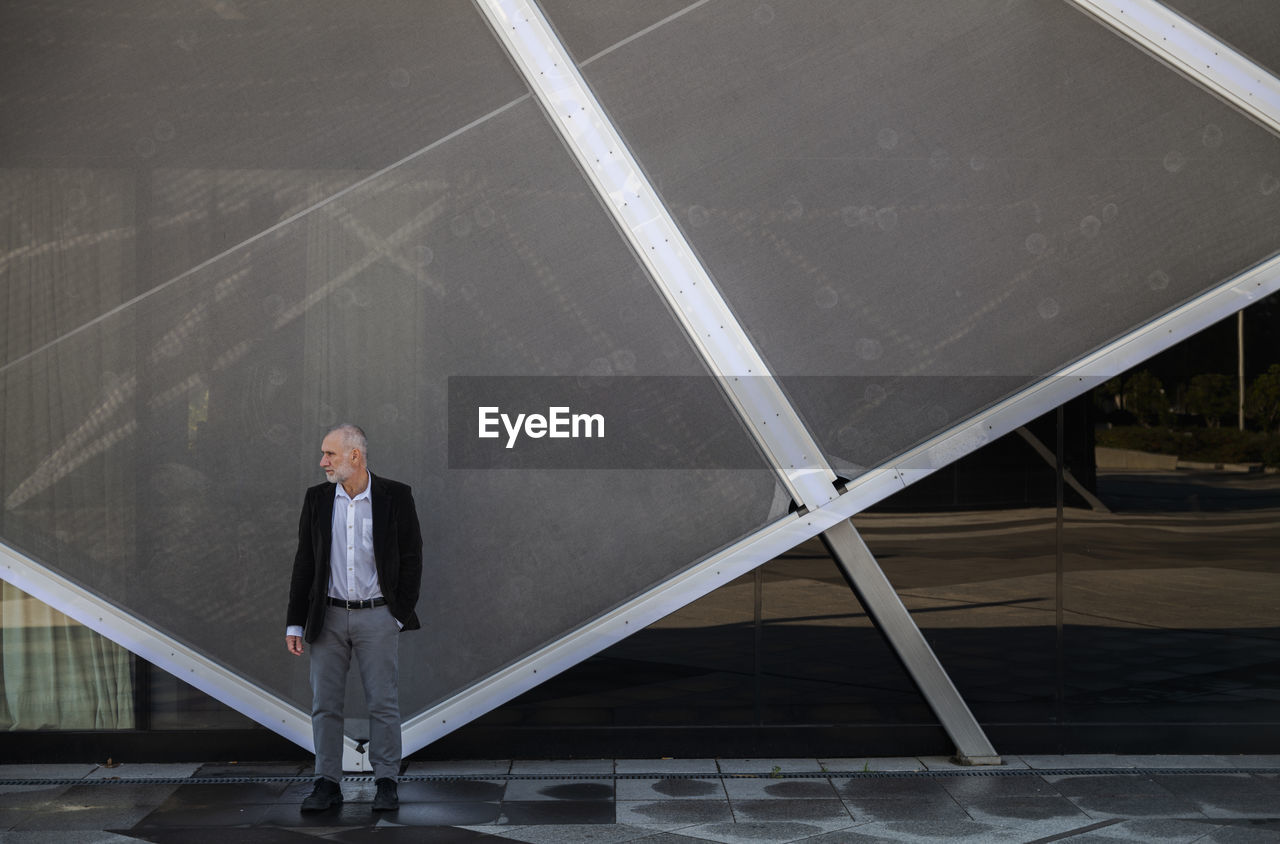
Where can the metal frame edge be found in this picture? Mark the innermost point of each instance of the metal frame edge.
(1195, 52)
(149, 643)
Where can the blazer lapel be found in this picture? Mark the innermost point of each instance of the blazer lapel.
(324, 526)
(381, 514)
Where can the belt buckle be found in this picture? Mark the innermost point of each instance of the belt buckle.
(352, 605)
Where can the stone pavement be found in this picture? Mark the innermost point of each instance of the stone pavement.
(1074, 799)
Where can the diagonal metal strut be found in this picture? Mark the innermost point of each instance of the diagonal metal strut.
(887, 611)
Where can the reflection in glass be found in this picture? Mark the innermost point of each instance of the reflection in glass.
(57, 674)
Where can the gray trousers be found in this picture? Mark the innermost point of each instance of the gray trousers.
(373, 637)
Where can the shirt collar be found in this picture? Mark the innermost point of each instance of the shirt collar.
(341, 492)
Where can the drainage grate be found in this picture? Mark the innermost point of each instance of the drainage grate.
(579, 777)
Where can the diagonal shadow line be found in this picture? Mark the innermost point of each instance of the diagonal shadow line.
(124, 306)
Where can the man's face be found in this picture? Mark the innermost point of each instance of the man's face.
(335, 458)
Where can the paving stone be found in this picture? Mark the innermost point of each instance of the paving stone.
(565, 790)
(95, 818)
(29, 796)
(1101, 806)
(670, 789)
(460, 768)
(924, 832)
(217, 835)
(998, 786)
(867, 787)
(562, 766)
(542, 812)
(946, 763)
(1042, 815)
(1164, 830)
(764, 767)
(779, 789)
(146, 770)
(867, 764)
(46, 772)
(441, 813)
(227, 815)
(66, 836)
(933, 808)
(1088, 785)
(672, 814)
(452, 791)
(759, 833)
(805, 811)
(577, 834)
(666, 766)
(255, 769)
(103, 795)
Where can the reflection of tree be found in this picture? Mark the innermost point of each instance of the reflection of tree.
(1262, 403)
(1144, 397)
(1211, 395)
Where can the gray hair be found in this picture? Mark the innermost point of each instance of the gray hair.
(353, 437)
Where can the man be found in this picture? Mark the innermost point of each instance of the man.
(355, 585)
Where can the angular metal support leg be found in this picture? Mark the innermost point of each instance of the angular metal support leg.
(886, 609)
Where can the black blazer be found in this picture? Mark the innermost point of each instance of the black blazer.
(397, 554)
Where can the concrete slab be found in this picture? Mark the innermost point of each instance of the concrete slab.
(90, 819)
(573, 834)
(1100, 785)
(780, 789)
(67, 836)
(923, 832)
(830, 814)
(765, 766)
(132, 771)
(946, 763)
(760, 832)
(460, 768)
(933, 809)
(563, 790)
(651, 790)
(866, 764)
(562, 766)
(46, 772)
(669, 815)
(666, 766)
(1128, 806)
(1164, 830)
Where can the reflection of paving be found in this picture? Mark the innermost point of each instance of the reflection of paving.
(1167, 616)
(1099, 798)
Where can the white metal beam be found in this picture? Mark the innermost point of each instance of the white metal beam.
(728, 352)
(657, 241)
(1194, 52)
(183, 662)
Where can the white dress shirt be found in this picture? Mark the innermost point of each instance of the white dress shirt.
(353, 575)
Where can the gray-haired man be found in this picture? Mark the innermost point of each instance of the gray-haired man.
(355, 584)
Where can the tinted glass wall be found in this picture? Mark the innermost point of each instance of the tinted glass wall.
(1140, 615)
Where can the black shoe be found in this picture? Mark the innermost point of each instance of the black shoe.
(386, 799)
(325, 795)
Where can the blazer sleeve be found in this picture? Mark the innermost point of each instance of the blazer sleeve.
(410, 546)
(304, 568)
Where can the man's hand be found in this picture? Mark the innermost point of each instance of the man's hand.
(295, 644)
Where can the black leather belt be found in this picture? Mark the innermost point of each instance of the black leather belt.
(358, 605)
